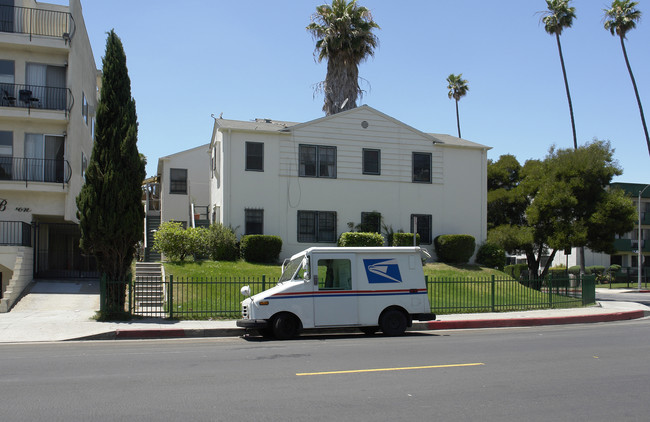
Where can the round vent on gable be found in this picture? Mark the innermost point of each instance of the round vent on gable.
(364, 124)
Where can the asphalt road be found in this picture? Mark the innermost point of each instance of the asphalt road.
(596, 372)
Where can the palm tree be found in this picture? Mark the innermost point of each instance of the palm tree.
(559, 16)
(622, 17)
(343, 34)
(457, 89)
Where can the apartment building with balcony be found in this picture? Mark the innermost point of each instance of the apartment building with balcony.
(627, 245)
(48, 94)
(307, 182)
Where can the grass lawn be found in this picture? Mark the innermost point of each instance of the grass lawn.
(209, 289)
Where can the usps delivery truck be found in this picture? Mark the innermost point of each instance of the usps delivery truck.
(369, 288)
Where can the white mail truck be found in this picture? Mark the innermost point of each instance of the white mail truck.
(369, 288)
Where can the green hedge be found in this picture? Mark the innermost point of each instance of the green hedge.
(349, 239)
(515, 270)
(260, 248)
(491, 255)
(454, 248)
(405, 239)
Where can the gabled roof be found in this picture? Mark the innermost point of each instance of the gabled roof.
(276, 126)
(358, 110)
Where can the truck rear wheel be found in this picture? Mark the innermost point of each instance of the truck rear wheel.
(285, 326)
(393, 323)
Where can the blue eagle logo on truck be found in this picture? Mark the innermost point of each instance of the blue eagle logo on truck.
(382, 270)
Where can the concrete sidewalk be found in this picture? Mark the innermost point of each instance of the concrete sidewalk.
(58, 311)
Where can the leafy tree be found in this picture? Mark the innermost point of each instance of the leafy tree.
(558, 17)
(458, 88)
(570, 205)
(344, 36)
(619, 19)
(506, 204)
(109, 205)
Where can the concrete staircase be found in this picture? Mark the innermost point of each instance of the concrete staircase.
(149, 289)
(153, 223)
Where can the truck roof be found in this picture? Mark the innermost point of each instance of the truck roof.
(364, 250)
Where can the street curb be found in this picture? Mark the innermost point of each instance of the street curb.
(169, 333)
(532, 322)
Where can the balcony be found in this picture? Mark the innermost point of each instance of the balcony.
(15, 233)
(35, 170)
(36, 97)
(40, 22)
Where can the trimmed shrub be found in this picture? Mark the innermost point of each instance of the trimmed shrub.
(404, 239)
(454, 248)
(558, 271)
(614, 268)
(222, 243)
(197, 243)
(260, 248)
(575, 270)
(349, 239)
(491, 255)
(170, 240)
(516, 270)
(596, 270)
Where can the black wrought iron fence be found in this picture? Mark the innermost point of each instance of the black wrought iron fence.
(36, 97)
(32, 21)
(35, 170)
(220, 297)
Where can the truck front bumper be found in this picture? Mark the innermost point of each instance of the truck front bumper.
(424, 317)
(252, 323)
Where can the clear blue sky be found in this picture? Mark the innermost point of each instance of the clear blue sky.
(248, 59)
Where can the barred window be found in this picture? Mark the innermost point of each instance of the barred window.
(254, 221)
(317, 161)
(423, 227)
(317, 226)
(371, 161)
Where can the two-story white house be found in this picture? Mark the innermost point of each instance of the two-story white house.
(307, 182)
(48, 94)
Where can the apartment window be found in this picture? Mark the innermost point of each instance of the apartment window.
(7, 83)
(423, 227)
(84, 108)
(84, 165)
(371, 161)
(317, 226)
(254, 156)
(44, 157)
(370, 222)
(254, 221)
(6, 154)
(317, 161)
(422, 167)
(46, 86)
(178, 181)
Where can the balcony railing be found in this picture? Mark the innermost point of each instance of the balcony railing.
(36, 97)
(25, 20)
(35, 170)
(15, 233)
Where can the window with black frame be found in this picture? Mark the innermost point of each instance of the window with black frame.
(178, 181)
(423, 227)
(254, 156)
(317, 161)
(371, 163)
(317, 226)
(254, 221)
(422, 167)
(6, 154)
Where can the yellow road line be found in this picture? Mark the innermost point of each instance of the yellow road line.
(408, 368)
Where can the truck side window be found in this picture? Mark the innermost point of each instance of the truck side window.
(334, 274)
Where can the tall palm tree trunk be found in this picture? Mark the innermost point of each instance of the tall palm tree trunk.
(457, 119)
(636, 92)
(568, 94)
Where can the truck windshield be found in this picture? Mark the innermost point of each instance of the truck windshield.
(291, 268)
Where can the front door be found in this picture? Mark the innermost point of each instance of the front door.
(335, 296)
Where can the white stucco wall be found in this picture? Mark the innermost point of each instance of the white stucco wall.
(196, 161)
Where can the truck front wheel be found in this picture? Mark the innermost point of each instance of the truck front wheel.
(393, 323)
(285, 326)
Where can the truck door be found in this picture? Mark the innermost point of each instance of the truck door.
(335, 298)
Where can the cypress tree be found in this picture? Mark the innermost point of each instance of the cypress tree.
(109, 205)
